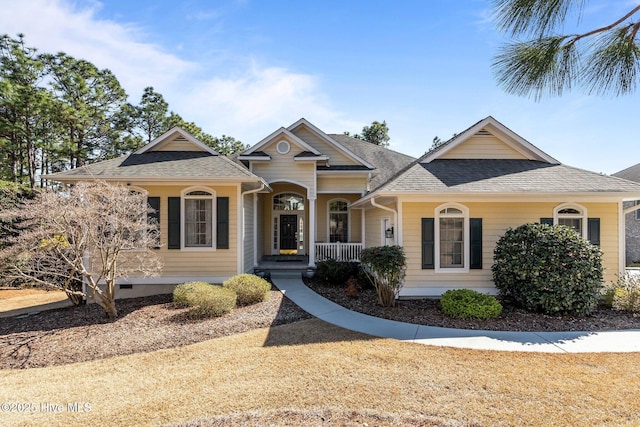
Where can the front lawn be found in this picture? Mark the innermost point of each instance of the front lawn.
(311, 373)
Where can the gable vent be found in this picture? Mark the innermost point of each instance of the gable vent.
(180, 139)
(483, 132)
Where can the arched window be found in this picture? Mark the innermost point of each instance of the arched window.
(288, 202)
(571, 215)
(198, 219)
(338, 221)
(452, 237)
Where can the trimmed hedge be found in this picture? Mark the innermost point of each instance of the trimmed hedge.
(549, 269)
(469, 304)
(336, 273)
(205, 300)
(250, 288)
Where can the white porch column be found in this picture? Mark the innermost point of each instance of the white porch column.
(363, 228)
(312, 232)
(255, 229)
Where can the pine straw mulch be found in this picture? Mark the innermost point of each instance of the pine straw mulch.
(77, 334)
(428, 312)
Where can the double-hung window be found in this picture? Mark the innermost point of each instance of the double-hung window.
(198, 219)
(452, 237)
(338, 221)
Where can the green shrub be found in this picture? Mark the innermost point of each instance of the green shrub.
(205, 300)
(250, 289)
(549, 269)
(182, 292)
(623, 294)
(466, 304)
(386, 267)
(336, 273)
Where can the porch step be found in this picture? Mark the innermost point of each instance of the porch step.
(291, 264)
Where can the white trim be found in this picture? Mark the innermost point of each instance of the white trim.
(414, 292)
(171, 132)
(622, 243)
(286, 143)
(275, 214)
(395, 215)
(582, 215)
(509, 137)
(311, 159)
(311, 241)
(255, 158)
(330, 141)
(279, 133)
(183, 218)
(466, 236)
(164, 280)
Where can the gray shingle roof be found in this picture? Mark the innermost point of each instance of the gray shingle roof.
(631, 173)
(503, 176)
(161, 164)
(386, 161)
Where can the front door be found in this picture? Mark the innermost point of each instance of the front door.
(288, 232)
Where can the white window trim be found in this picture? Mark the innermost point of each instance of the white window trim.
(338, 199)
(467, 236)
(582, 215)
(183, 218)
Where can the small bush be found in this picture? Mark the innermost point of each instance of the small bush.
(550, 269)
(466, 304)
(250, 289)
(623, 294)
(336, 273)
(204, 299)
(386, 267)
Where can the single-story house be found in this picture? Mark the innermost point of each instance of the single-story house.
(306, 193)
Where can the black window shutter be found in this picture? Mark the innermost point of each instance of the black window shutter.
(154, 203)
(548, 221)
(593, 231)
(222, 223)
(475, 225)
(173, 223)
(428, 243)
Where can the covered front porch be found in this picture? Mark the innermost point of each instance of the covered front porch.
(295, 226)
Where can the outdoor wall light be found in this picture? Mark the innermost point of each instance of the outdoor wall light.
(389, 233)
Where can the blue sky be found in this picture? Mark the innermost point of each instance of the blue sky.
(247, 67)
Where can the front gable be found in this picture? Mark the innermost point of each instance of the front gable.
(489, 139)
(176, 139)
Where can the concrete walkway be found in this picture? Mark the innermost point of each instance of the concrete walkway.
(291, 285)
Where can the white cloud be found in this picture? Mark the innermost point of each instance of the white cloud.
(248, 106)
(59, 26)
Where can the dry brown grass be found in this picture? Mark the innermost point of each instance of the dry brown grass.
(12, 299)
(310, 370)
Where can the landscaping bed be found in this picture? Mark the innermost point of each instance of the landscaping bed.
(428, 312)
(77, 334)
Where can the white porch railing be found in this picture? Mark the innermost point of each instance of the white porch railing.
(338, 251)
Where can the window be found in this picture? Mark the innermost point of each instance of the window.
(338, 221)
(452, 238)
(198, 219)
(573, 216)
(288, 202)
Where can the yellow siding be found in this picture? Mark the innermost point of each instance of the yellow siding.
(336, 184)
(283, 167)
(336, 156)
(483, 147)
(496, 218)
(177, 146)
(373, 225)
(214, 263)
